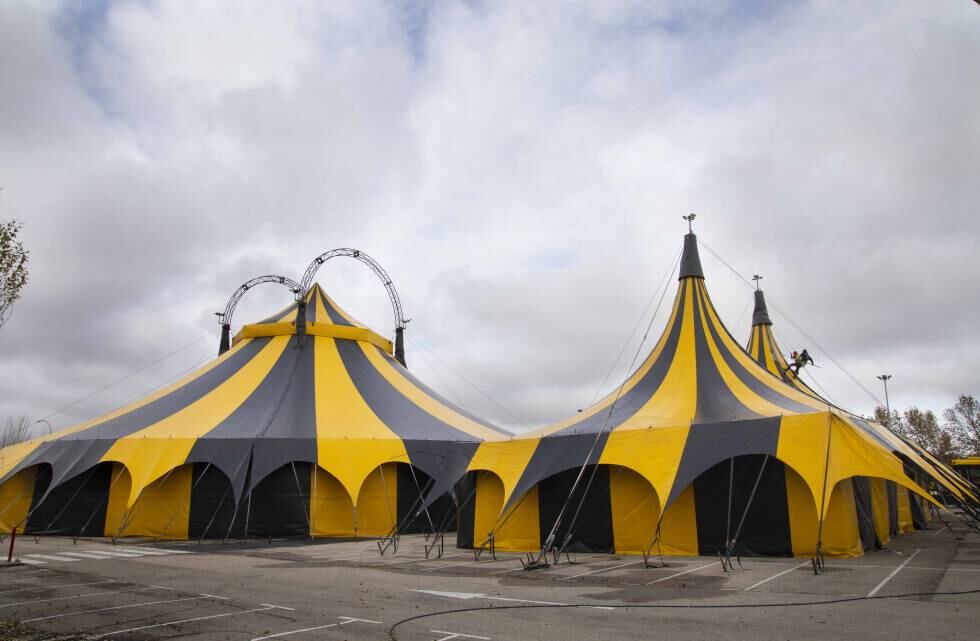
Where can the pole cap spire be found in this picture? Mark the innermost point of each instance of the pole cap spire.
(760, 315)
(690, 259)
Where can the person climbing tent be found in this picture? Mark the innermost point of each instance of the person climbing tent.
(800, 360)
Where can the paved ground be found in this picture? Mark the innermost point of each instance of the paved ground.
(300, 592)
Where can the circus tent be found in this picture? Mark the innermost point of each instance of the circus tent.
(318, 433)
(702, 449)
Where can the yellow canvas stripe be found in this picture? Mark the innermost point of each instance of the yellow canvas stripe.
(679, 530)
(879, 510)
(675, 401)
(162, 510)
(16, 495)
(331, 508)
(635, 510)
(320, 315)
(175, 435)
(653, 453)
(603, 405)
(841, 536)
(11, 456)
(343, 332)
(377, 502)
(752, 367)
(740, 390)
(407, 389)
(351, 439)
(487, 505)
(521, 531)
(506, 459)
(803, 446)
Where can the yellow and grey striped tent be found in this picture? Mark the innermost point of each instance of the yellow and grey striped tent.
(701, 445)
(321, 434)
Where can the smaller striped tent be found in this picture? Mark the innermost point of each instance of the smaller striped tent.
(319, 434)
(701, 446)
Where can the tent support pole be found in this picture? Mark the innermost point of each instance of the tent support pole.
(738, 530)
(818, 565)
(299, 488)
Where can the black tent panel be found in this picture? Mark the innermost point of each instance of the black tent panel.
(466, 514)
(918, 518)
(765, 529)
(893, 526)
(866, 525)
(592, 531)
(280, 503)
(413, 485)
(213, 505)
(77, 507)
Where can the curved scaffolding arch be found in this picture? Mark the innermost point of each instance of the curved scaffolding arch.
(225, 317)
(396, 305)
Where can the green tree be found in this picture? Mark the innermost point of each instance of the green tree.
(963, 422)
(13, 267)
(923, 429)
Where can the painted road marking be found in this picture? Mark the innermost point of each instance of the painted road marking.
(667, 578)
(128, 555)
(86, 555)
(116, 607)
(215, 596)
(894, 572)
(343, 621)
(148, 550)
(32, 562)
(52, 587)
(165, 624)
(606, 569)
(49, 557)
(278, 607)
(776, 576)
(457, 635)
(480, 595)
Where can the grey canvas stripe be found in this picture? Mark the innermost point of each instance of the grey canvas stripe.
(445, 462)
(767, 336)
(398, 413)
(156, 411)
(708, 444)
(335, 316)
(715, 401)
(555, 454)
(750, 381)
(635, 398)
(435, 395)
(280, 415)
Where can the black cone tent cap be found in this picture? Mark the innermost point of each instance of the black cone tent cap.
(760, 315)
(690, 259)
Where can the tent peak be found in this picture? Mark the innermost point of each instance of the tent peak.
(690, 260)
(760, 315)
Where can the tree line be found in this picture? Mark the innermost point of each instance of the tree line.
(957, 435)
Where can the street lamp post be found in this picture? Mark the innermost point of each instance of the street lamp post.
(888, 408)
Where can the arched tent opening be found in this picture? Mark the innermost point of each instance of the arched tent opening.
(391, 500)
(75, 507)
(162, 510)
(331, 507)
(17, 494)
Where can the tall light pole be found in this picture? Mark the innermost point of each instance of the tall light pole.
(888, 408)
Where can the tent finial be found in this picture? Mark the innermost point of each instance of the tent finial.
(690, 219)
(756, 278)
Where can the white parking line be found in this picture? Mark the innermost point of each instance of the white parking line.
(457, 635)
(148, 550)
(162, 625)
(605, 569)
(116, 607)
(344, 621)
(87, 555)
(667, 578)
(128, 555)
(894, 572)
(776, 576)
(32, 562)
(48, 557)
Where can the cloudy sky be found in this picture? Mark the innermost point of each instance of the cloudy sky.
(520, 169)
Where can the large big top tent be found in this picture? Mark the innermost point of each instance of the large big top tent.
(703, 449)
(323, 434)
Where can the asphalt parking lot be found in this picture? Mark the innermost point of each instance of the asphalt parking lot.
(64, 589)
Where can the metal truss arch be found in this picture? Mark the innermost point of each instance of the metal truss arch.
(396, 304)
